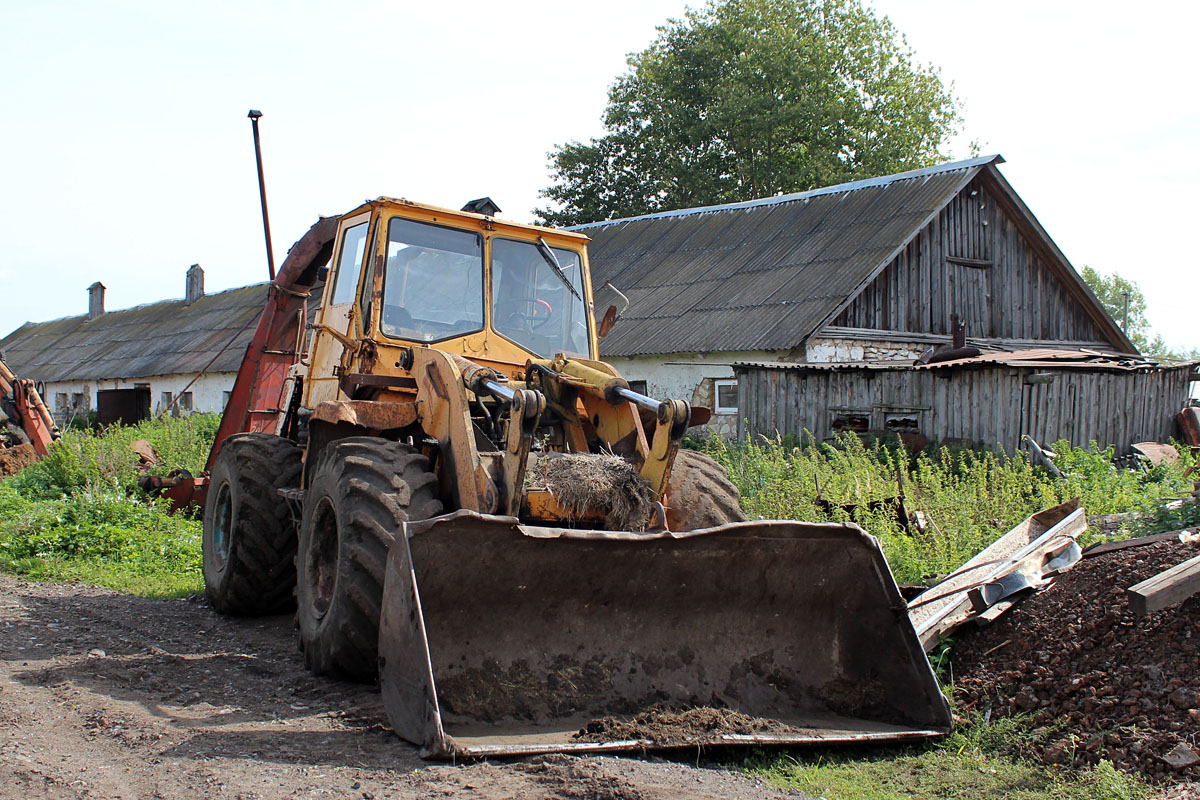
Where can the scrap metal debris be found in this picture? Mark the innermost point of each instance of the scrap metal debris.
(1028, 557)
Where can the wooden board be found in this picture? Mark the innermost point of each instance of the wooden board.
(1141, 541)
(1166, 588)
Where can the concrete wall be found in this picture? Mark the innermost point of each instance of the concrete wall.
(690, 377)
(208, 392)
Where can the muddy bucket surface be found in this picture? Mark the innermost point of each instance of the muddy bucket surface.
(499, 638)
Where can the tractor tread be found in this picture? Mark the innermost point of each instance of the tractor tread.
(374, 486)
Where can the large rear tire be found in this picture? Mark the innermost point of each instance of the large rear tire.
(363, 488)
(249, 544)
(700, 494)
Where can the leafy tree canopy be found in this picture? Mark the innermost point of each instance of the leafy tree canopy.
(1111, 291)
(750, 98)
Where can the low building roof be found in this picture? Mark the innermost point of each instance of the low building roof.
(165, 338)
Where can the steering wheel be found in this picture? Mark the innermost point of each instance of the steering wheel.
(534, 319)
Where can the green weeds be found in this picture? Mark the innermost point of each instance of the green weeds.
(970, 497)
(77, 515)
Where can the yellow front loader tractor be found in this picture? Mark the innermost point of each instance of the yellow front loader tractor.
(424, 454)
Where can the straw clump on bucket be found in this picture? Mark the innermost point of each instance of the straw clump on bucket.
(586, 482)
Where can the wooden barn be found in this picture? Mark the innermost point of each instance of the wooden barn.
(993, 399)
(868, 270)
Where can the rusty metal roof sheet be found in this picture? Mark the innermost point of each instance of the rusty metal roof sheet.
(1040, 358)
(165, 338)
(762, 274)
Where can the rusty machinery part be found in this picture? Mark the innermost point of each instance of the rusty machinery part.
(364, 490)
(249, 544)
(24, 413)
(252, 404)
(701, 494)
(183, 489)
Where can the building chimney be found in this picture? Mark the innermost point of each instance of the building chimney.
(95, 300)
(194, 289)
(958, 330)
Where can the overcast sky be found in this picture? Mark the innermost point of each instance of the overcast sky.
(126, 155)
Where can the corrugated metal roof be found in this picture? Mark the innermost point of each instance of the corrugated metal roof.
(165, 338)
(788, 198)
(1042, 357)
(762, 274)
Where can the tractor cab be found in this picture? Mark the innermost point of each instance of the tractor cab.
(404, 274)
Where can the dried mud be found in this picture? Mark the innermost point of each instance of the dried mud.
(491, 692)
(1101, 682)
(110, 696)
(667, 726)
(15, 459)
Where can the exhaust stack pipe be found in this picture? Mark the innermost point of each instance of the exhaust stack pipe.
(262, 192)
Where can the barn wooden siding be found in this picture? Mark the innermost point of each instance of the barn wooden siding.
(974, 259)
(993, 405)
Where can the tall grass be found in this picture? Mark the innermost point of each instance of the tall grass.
(78, 511)
(969, 496)
(77, 515)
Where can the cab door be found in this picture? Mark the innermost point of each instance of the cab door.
(337, 315)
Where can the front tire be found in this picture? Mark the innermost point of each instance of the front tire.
(249, 543)
(700, 494)
(363, 488)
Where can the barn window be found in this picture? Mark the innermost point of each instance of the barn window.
(726, 396)
(857, 421)
(902, 423)
(185, 401)
(637, 386)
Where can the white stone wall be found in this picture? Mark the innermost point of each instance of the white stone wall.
(825, 351)
(690, 376)
(208, 392)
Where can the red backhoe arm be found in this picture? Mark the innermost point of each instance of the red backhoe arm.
(31, 414)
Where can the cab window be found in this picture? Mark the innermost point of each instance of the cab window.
(349, 263)
(536, 305)
(433, 283)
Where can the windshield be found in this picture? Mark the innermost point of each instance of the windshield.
(433, 287)
(532, 304)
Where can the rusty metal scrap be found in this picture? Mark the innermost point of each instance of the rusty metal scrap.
(1026, 557)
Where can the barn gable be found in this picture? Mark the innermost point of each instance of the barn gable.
(984, 259)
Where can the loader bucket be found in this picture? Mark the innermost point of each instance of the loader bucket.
(499, 638)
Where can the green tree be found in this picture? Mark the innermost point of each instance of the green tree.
(750, 98)
(1111, 291)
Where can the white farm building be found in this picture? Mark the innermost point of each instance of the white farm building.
(174, 356)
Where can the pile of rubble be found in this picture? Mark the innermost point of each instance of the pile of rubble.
(1102, 680)
(1099, 647)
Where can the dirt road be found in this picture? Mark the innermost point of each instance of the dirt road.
(110, 696)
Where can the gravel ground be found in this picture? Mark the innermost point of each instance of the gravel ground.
(109, 696)
(1108, 684)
